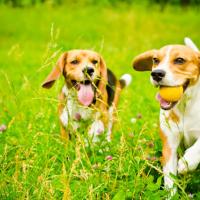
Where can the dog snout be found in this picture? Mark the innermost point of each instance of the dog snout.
(88, 70)
(158, 74)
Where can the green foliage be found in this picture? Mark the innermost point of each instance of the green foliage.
(162, 3)
(35, 162)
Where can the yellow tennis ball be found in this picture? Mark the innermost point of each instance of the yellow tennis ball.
(171, 94)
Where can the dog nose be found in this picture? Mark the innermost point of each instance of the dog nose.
(158, 74)
(88, 70)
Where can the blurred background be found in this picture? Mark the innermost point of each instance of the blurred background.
(35, 162)
(163, 3)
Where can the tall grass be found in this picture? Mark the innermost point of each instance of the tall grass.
(35, 162)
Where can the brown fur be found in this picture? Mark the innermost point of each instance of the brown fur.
(73, 71)
(180, 65)
(174, 117)
(166, 151)
(189, 70)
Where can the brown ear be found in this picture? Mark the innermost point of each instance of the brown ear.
(102, 90)
(144, 61)
(56, 72)
(198, 56)
(103, 74)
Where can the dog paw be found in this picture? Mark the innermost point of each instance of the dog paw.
(170, 187)
(182, 166)
(185, 164)
(171, 194)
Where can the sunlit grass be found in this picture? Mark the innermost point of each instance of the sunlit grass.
(35, 162)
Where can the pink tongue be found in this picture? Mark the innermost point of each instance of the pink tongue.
(85, 94)
(163, 103)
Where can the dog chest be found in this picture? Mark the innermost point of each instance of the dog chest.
(189, 112)
(78, 112)
(73, 113)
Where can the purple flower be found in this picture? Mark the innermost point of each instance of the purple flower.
(77, 116)
(3, 128)
(131, 135)
(109, 157)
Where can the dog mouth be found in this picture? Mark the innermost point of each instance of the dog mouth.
(85, 91)
(166, 104)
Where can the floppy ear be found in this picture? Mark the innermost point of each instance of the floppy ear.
(144, 61)
(56, 72)
(102, 103)
(198, 57)
(103, 74)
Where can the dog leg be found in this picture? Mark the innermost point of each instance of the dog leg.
(170, 136)
(191, 159)
(169, 156)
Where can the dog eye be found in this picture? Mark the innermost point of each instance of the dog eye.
(74, 62)
(156, 61)
(179, 61)
(94, 62)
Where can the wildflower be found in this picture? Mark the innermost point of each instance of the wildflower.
(109, 157)
(3, 128)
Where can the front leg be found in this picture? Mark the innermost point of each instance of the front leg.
(170, 136)
(169, 156)
(100, 122)
(191, 159)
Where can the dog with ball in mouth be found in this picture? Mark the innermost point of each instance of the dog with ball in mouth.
(175, 71)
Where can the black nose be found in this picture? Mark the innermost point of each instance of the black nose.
(88, 70)
(158, 74)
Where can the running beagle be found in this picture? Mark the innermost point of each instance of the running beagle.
(90, 93)
(176, 65)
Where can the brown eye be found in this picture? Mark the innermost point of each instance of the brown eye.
(156, 61)
(94, 62)
(179, 61)
(74, 62)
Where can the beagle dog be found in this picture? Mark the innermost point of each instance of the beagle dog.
(90, 93)
(176, 65)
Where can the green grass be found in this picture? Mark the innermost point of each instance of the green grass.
(35, 162)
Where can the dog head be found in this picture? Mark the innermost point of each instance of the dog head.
(172, 65)
(83, 70)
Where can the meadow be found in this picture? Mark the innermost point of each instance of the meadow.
(35, 163)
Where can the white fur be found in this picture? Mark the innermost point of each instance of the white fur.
(173, 140)
(169, 78)
(188, 42)
(191, 159)
(73, 108)
(65, 90)
(64, 117)
(127, 79)
(188, 129)
(97, 128)
(164, 65)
